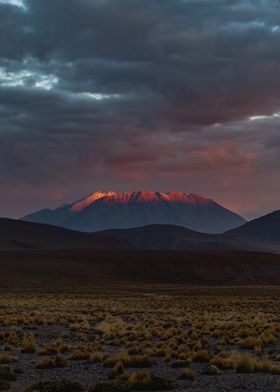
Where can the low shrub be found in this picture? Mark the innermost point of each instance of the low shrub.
(137, 361)
(249, 343)
(188, 374)
(80, 354)
(50, 363)
(212, 370)
(146, 381)
(200, 356)
(130, 361)
(7, 358)
(28, 344)
(97, 357)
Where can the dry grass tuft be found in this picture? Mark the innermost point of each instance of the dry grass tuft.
(188, 374)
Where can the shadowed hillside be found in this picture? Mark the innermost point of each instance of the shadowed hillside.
(15, 234)
(179, 238)
(265, 229)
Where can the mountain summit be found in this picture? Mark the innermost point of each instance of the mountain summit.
(109, 210)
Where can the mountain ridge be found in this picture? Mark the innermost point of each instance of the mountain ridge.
(17, 234)
(109, 210)
(170, 237)
(265, 228)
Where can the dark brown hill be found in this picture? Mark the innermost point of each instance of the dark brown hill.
(263, 229)
(16, 234)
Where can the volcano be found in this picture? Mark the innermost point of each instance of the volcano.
(110, 210)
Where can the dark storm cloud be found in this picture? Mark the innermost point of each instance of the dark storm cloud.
(145, 93)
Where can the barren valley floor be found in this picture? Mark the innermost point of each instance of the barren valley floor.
(135, 335)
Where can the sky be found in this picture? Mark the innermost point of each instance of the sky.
(131, 95)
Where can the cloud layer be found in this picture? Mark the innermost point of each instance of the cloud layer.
(142, 94)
